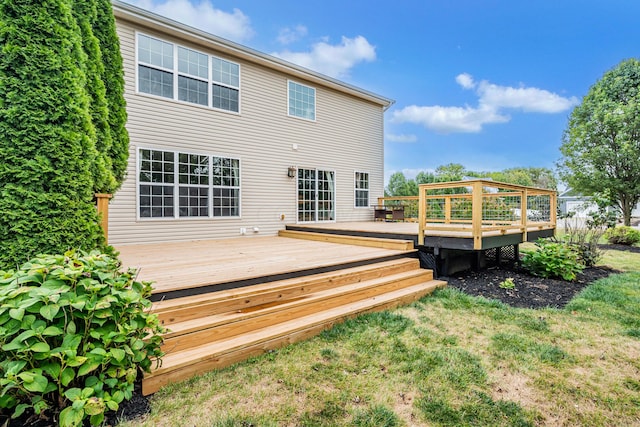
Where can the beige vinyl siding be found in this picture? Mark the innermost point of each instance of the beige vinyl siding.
(346, 136)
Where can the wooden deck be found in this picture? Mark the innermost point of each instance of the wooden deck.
(458, 236)
(185, 266)
(226, 300)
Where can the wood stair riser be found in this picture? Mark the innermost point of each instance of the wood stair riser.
(239, 323)
(219, 355)
(372, 242)
(170, 312)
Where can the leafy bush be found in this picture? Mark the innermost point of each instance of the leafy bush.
(623, 236)
(74, 335)
(583, 234)
(553, 259)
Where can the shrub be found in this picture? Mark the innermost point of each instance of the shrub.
(583, 234)
(623, 235)
(74, 335)
(553, 259)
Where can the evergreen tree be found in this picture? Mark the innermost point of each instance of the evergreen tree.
(85, 14)
(104, 28)
(46, 150)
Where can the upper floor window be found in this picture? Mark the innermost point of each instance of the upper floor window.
(195, 77)
(226, 84)
(155, 67)
(362, 189)
(302, 101)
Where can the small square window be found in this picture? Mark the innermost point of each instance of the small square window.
(302, 101)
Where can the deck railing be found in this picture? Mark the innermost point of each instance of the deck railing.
(482, 206)
(409, 203)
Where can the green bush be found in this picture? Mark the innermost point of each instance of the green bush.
(623, 236)
(75, 333)
(553, 259)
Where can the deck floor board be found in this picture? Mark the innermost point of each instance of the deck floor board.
(179, 265)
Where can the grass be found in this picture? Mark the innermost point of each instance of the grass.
(446, 360)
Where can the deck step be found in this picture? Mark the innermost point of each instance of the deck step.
(191, 333)
(183, 309)
(373, 242)
(183, 364)
(216, 329)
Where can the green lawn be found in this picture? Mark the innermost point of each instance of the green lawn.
(447, 360)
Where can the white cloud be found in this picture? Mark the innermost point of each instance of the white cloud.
(333, 60)
(529, 99)
(449, 119)
(401, 137)
(234, 25)
(289, 35)
(465, 80)
(493, 100)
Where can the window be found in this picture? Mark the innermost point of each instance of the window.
(155, 67)
(156, 184)
(180, 185)
(193, 185)
(226, 187)
(226, 81)
(189, 78)
(362, 189)
(193, 69)
(302, 101)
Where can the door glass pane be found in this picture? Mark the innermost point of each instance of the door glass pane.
(306, 195)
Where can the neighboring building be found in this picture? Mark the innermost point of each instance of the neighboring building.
(577, 204)
(227, 141)
(581, 206)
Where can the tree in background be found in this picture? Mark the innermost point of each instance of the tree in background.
(451, 172)
(601, 145)
(399, 185)
(46, 150)
(104, 28)
(530, 177)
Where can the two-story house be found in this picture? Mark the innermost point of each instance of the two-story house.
(228, 141)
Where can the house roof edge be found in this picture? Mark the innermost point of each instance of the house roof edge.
(135, 14)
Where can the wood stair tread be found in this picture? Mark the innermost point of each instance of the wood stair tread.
(309, 298)
(175, 360)
(180, 309)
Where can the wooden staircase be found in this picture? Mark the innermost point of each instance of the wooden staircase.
(217, 329)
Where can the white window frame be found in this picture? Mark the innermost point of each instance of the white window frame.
(176, 185)
(315, 101)
(356, 189)
(176, 76)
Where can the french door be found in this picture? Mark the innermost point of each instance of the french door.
(316, 195)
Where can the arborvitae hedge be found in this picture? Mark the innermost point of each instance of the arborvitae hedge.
(104, 28)
(85, 14)
(46, 152)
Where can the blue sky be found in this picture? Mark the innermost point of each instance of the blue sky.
(485, 83)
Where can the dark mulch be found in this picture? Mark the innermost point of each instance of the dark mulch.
(128, 410)
(530, 291)
(626, 248)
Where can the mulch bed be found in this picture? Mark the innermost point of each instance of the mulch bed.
(530, 291)
(625, 248)
(138, 406)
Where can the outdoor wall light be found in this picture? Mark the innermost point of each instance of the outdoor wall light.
(291, 172)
